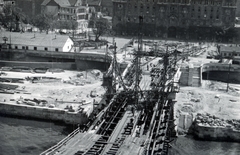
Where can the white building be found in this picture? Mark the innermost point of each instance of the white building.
(38, 41)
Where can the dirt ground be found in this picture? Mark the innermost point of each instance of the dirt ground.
(71, 88)
(212, 97)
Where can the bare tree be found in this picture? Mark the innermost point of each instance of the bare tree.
(100, 27)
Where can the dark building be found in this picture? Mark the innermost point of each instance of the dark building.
(199, 19)
(30, 7)
(238, 8)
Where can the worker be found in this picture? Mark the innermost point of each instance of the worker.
(132, 109)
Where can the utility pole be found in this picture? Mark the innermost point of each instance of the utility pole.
(137, 60)
(114, 66)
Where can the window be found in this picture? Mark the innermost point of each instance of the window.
(23, 47)
(35, 48)
(56, 49)
(45, 48)
(120, 6)
(26, 47)
(16, 47)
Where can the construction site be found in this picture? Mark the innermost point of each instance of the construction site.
(140, 109)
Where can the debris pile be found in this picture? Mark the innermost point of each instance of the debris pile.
(211, 120)
(32, 102)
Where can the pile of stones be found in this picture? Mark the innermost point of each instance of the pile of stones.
(211, 120)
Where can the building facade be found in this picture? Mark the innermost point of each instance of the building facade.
(70, 10)
(174, 18)
(229, 51)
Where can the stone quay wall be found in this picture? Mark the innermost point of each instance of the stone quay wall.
(43, 113)
(210, 127)
(216, 133)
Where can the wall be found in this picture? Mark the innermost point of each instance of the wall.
(220, 67)
(42, 48)
(84, 65)
(216, 133)
(68, 45)
(64, 65)
(191, 76)
(43, 113)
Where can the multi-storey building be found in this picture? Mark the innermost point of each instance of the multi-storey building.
(70, 10)
(174, 18)
(31, 8)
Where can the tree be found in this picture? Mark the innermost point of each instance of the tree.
(11, 17)
(45, 21)
(41, 22)
(100, 27)
(66, 24)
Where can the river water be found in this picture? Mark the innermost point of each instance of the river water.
(30, 137)
(186, 145)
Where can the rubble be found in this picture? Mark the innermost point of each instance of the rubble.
(213, 121)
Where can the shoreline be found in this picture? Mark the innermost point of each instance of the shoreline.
(43, 113)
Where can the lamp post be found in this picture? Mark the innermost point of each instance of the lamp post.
(228, 77)
(5, 39)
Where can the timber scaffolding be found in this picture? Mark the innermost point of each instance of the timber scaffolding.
(148, 131)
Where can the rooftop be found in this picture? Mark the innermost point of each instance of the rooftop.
(35, 39)
(94, 2)
(61, 2)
